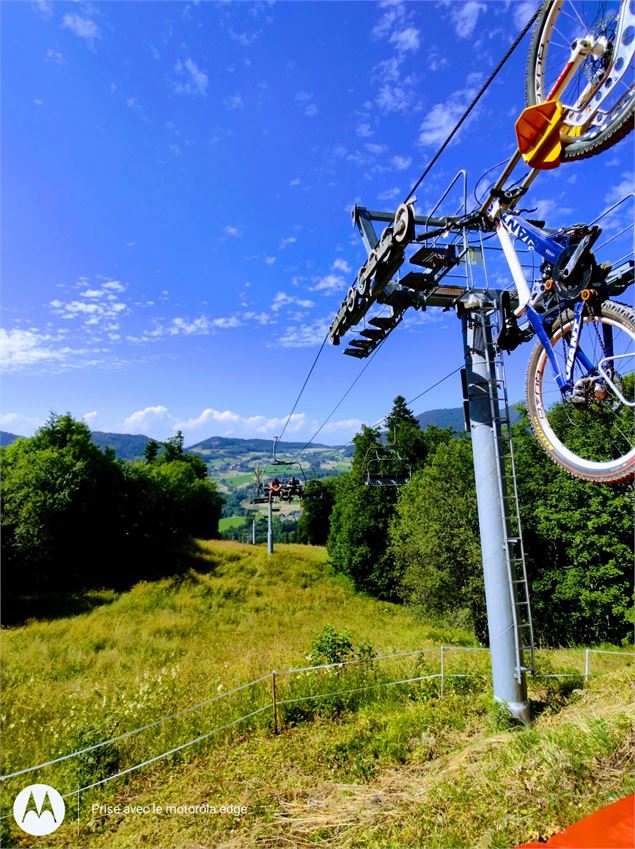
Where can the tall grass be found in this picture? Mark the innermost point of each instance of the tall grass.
(233, 617)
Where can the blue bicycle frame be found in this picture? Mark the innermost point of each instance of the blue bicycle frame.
(551, 247)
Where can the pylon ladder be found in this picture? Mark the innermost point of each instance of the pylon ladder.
(508, 499)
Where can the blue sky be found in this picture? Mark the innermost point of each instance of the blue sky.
(177, 186)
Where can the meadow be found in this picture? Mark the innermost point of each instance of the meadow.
(382, 765)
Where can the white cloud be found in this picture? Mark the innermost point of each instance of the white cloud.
(393, 98)
(394, 16)
(351, 426)
(234, 101)
(375, 149)
(311, 110)
(288, 240)
(295, 182)
(282, 300)
(304, 335)
(625, 187)
(341, 265)
(270, 260)
(233, 423)
(19, 422)
(405, 40)
(44, 8)
(201, 326)
(82, 27)
(20, 349)
(365, 130)
(54, 56)
(303, 96)
(192, 80)
(114, 285)
(90, 416)
(444, 115)
(523, 10)
(329, 284)
(400, 163)
(389, 194)
(235, 232)
(146, 418)
(464, 16)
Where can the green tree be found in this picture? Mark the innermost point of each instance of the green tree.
(578, 541)
(151, 451)
(60, 511)
(434, 539)
(359, 523)
(173, 447)
(317, 505)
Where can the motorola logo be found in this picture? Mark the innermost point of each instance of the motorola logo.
(39, 809)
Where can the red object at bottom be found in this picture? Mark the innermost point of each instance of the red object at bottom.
(611, 828)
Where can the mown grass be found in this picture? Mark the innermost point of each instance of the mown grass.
(361, 768)
(228, 522)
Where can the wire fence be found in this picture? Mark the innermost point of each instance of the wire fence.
(287, 697)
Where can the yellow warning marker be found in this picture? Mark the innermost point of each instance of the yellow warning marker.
(538, 134)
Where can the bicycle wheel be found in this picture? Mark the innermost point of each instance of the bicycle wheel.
(600, 97)
(593, 438)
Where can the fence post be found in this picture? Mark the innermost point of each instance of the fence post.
(442, 672)
(275, 702)
(587, 664)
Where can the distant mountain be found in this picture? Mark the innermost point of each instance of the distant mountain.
(7, 438)
(127, 446)
(453, 417)
(445, 417)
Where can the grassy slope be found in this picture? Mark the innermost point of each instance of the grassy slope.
(167, 644)
(401, 773)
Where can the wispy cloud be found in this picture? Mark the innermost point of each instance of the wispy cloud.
(192, 80)
(405, 40)
(311, 110)
(200, 326)
(304, 335)
(443, 116)
(19, 422)
(281, 300)
(400, 163)
(329, 283)
(44, 8)
(288, 240)
(464, 15)
(234, 232)
(341, 265)
(234, 101)
(54, 56)
(84, 28)
(22, 349)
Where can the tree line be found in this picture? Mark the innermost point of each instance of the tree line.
(419, 543)
(76, 517)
